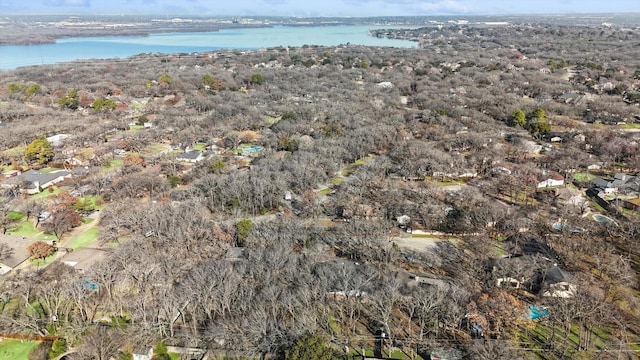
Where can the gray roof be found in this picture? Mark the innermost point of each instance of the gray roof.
(32, 176)
(18, 246)
(556, 275)
(601, 183)
(190, 155)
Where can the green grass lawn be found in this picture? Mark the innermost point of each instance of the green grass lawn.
(90, 202)
(49, 170)
(199, 146)
(583, 177)
(47, 192)
(630, 126)
(43, 262)
(24, 228)
(15, 215)
(84, 239)
(174, 356)
(27, 229)
(87, 220)
(13, 349)
(113, 164)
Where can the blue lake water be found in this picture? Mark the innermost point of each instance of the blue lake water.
(83, 48)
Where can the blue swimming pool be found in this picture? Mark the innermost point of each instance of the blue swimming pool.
(564, 227)
(603, 219)
(536, 312)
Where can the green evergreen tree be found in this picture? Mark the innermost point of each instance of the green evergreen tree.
(31, 90)
(518, 118)
(103, 104)
(537, 124)
(257, 79)
(243, 229)
(71, 100)
(39, 150)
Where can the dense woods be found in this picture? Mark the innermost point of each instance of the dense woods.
(313, 202)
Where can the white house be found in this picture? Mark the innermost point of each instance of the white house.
(550, 179)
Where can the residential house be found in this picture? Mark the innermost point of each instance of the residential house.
(18, 252)
(142, 353)
(558, 283)
(83, 259)
(603, 186)
(192, 156)
(632, 204)
(463, 174)
(620, 181)
(550, 179)
(568, 98)
(34, 181)
(518, 271)
(544, 97)
(623, 181)
(442, 282)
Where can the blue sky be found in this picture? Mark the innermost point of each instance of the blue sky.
(315, 7)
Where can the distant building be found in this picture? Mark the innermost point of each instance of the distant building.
(193, 156)
(34, 181)
(550, 179)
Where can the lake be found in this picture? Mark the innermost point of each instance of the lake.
(83, 48)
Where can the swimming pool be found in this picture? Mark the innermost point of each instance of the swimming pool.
(603, 219)
(536, 312)
(564, 227)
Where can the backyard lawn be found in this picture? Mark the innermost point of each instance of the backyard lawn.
(47, 192)
(199, 146)
(43, 262)
(13, 349)
(583, 177)
(84, 239)
(27, 229)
